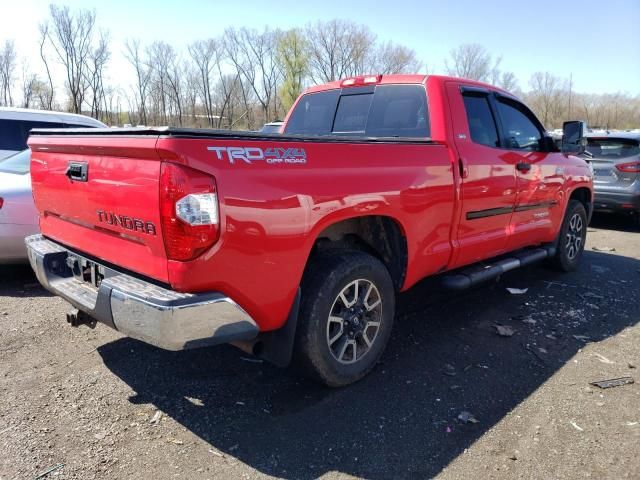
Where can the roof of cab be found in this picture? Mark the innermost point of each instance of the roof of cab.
(385, 79)
(407, 79)
(11, 113)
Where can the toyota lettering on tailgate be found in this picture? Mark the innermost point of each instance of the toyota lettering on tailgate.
(126, 222)
(273, 156)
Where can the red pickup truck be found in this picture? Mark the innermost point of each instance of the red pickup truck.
(293, 246)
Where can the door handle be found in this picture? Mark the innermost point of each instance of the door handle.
(523, 167)
(462, 165)
(77, 171)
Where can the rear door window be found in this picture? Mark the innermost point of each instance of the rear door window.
(482, 125)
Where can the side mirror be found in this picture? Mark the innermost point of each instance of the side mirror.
(573, 137)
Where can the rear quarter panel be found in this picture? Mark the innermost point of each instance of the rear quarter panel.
(272, 213)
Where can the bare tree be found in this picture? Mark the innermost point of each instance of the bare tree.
(94, 74)
(392, 58)
(207, 55)
(47, 97)
(338, 49)
(165, 82)
(143, 76)
(508, 81)
(192, 94)
(7, 71)
(544, 97)
(29, 82)
(228, 92)
(254, 55)
(71, 38)
(246, 76)
(157, 62)
(471, 61)
(176, 86)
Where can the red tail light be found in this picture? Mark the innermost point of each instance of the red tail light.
(631, 167)
(1, 202)
(361, 81)
(189, 211)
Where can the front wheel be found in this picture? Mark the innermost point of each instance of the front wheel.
(573, 235)
(346, 316)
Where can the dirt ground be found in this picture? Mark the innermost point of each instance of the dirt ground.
(92, 404)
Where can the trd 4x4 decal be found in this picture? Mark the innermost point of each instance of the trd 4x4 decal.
(273, 156)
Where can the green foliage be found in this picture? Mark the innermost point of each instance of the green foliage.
(293, 61)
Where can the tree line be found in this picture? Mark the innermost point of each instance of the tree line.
(246, 77)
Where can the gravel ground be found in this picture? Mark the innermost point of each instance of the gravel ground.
(96, 405)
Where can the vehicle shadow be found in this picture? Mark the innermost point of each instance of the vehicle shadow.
(19, 281)
(612, 221)
(401, 421)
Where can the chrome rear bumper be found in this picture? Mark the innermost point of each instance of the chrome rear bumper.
(135, 307)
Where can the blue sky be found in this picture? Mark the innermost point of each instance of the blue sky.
(598, 42)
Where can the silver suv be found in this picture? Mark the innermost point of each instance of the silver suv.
(615, 158)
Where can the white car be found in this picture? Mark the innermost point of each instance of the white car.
(15, 124)
(18, 215)
(272, 127)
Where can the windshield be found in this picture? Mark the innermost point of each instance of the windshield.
(18, 163)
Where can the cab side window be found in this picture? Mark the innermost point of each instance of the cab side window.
(519, 130)
(482, 125)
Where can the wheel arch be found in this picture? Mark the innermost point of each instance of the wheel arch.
(379, 235)
(585, 196)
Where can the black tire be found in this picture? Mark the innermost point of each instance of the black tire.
(572, 238)
(327, 276)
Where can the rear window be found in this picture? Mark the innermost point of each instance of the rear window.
(14, 133)
(18, 163)
(313, 114)
(386, 111)
(352, 114)
(613, 148)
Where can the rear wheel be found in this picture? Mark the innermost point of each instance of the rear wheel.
(573, 235)
(346, 316)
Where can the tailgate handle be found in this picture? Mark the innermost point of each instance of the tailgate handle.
(523, 167)
(78, 171)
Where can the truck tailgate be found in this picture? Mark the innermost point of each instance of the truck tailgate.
(113, 212)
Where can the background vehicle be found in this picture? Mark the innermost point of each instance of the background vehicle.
(272, 127)
(18, 214)
(297, 244)
(15, 124)
(615, 158)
